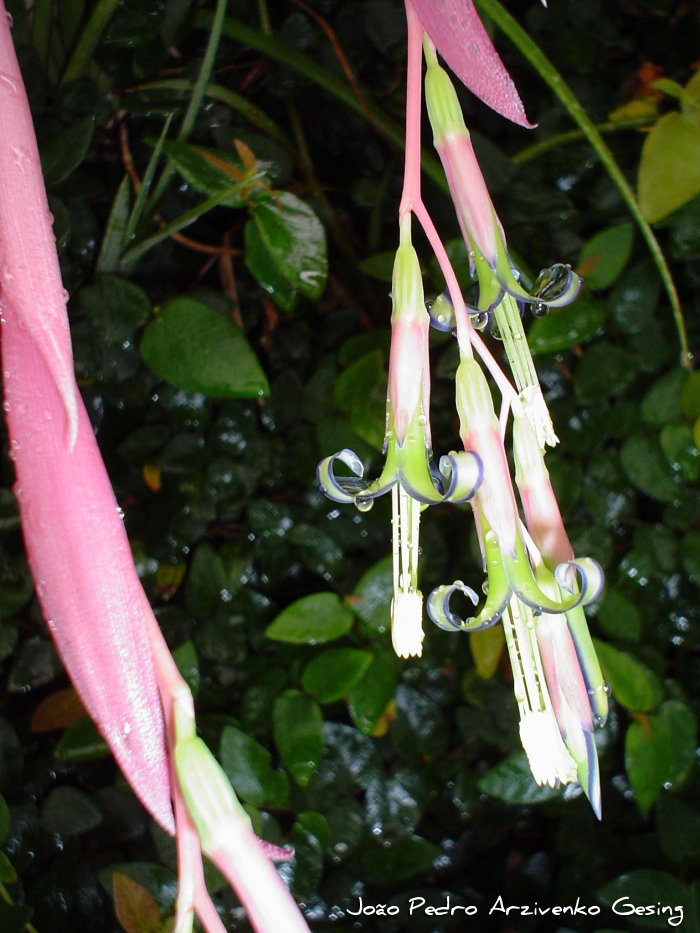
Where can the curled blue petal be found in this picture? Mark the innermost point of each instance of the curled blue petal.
(556, 286)
(352, 489)
(462, 473)
(590, 578)
(438, 605)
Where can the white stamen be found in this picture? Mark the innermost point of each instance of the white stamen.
(538, 415)
(545, 749)
(407, 604)
(546, 753)
(407, 624)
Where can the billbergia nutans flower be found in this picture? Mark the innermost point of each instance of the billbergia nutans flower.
(534, 582)
(80, 558)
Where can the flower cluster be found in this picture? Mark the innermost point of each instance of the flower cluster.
(534, 584)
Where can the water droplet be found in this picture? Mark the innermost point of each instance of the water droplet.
(8, 17)
(539, 309)
(47, 415)
(607, 688)
(6, 406)
(120, 512)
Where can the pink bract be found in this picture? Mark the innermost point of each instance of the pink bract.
(76, 543)
(459, 36)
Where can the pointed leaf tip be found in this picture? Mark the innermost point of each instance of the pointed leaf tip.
(459, 36)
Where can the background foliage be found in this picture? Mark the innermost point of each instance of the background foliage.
(220, 363)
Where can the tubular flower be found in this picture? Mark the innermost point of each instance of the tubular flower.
(558, 685)
(408, 471)
(481, 228)
(80, 558)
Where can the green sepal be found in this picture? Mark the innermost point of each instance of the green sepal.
(590, 666)
(209, 797)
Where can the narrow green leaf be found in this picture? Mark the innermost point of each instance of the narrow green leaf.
(115, 236)
(64, 153)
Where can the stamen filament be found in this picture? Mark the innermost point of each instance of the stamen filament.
(510, 326)
(407, 605)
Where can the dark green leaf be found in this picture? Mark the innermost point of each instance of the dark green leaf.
(660, 405)
(380, 266)
(16, 585)
(206, 175)
(648, 757)
(368, 700)
(513, 782)
(295, 238)
(115, 306)
(195, 348)
(312, 620)
(248, 767)
(114, 239)
(604, 371)
(64, 153)
(605, 255)
(419, 729)
(402, 859)
(564, 327)
(265, 270)
(361, 392)
(678, 826)
(682, 727)
(298, 730)
(646, 466)
(334, 672)
(648, 887)
(9, 512)
(69, 812)
(371, 599)
(35, 665)
(678, 444)
(619, 618)
(633, 685)
(81, 742)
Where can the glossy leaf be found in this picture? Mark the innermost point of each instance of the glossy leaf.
(648, 757)
(333, 673)
(265, 271)
(604, 257)
(135, 907)
(369, 698)
(248, 767)
(633, 685)
(81, 742)
(669, 171)
(312, 620)
(618, 617)
(298, 730)
(512, 781)
(69, 811)
(295, 238)
(65, 151)
(195, 348)
(564, 327)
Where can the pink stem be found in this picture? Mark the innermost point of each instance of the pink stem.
(411, 201)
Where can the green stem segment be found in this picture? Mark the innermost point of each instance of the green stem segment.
(551, 76)
(198, 92)
(89, 40)
(571, 136)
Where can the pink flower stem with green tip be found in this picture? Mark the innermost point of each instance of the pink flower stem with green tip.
(411, 201)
